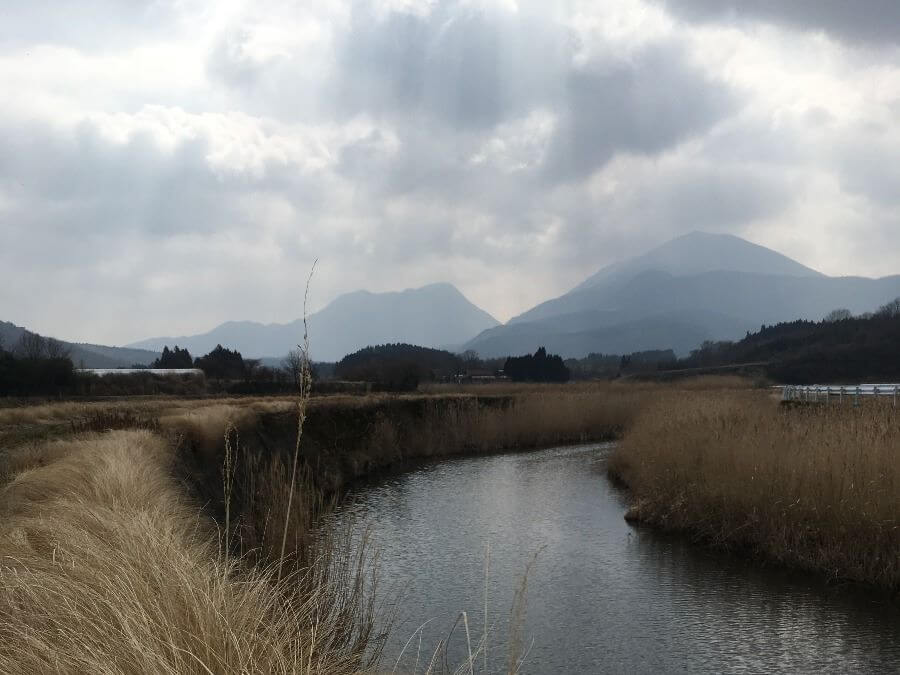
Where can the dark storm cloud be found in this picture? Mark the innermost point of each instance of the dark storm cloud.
(444, 81)
(98, 185)
(526, 144)
(470, 68)
(855, 21)
(641, 106)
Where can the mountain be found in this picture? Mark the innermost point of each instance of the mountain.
(85, 355)
(694, 288)
(700, 252)
(692, 254)
(680, 332)
(431, 316)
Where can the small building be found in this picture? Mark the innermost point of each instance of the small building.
(100, 372)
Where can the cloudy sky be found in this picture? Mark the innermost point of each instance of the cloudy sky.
(166, 165)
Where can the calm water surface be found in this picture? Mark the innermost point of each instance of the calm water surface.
(602, 596)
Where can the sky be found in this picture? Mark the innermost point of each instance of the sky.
(167, 165)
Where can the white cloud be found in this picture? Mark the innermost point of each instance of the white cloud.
(170, 165)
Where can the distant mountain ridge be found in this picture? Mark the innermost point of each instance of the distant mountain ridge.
(431, 316)
(694, 288)
(697, 287)
(86, 355)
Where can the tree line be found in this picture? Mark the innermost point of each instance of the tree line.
(537, 367)
(402, 367)
(36, 365)
(39, 366)
(841, 348)
(398, 366)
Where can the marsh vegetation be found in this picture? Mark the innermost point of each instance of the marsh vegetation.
(147, 535)
(816, 487)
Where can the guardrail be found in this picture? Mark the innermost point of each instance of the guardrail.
(818, 393)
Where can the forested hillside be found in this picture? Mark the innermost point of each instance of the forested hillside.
(841, 348)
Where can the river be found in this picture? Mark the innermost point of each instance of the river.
(602, 595)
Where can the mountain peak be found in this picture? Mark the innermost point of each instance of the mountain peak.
(700, 252)
(430, 316)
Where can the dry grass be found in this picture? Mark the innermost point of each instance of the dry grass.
(600, 387)
(105, 567)
(159, 407)
(813, 487)
(211, 413)
(537, 418)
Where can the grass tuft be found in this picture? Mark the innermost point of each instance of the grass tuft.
(105, 567)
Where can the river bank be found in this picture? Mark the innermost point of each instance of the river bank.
(815, 488)
(190, 506)
(346, 439)
(808, 488)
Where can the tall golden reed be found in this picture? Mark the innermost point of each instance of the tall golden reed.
(816, 487)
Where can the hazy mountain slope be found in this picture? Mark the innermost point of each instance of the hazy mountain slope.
(9, 334)
(758, 298)
(115, 356)
(680, 331)
(692, 254)
(685, 288)
(721, 305)
(699, 252)
(430, 316)
(85, 355)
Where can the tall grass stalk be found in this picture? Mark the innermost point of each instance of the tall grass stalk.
(303, 395)
(228, 468)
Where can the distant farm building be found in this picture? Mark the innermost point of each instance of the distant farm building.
(196, 372)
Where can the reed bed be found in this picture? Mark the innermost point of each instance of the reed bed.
(531, 419)
(815, 487)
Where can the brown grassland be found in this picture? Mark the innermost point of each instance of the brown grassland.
(145, 536)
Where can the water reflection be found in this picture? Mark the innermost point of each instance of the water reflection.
(603, 596)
